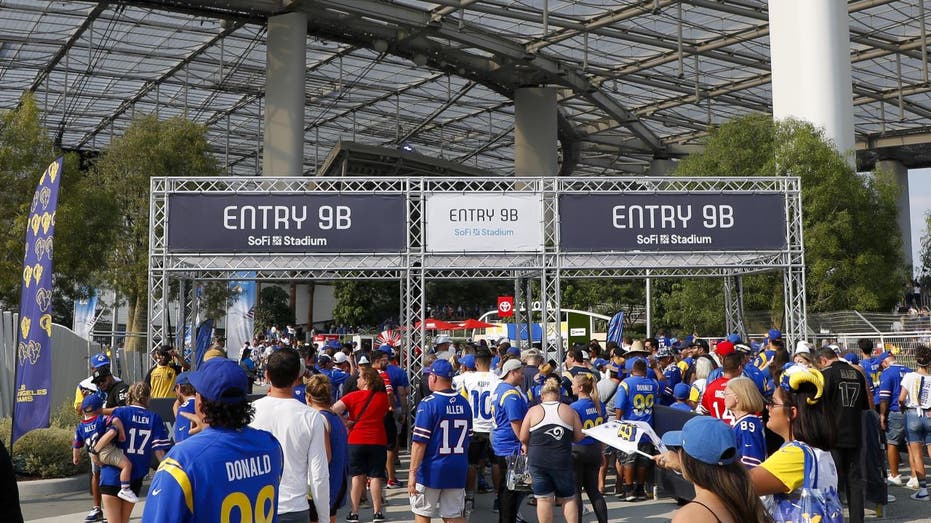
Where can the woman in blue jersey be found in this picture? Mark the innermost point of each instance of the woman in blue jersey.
(320, 398)
(144, 434)
(743, 399)
(586, 454)
(547, 432)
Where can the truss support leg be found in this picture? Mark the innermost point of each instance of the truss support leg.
(518, 316)
(734, 306)
(796, 324)
(412, 310)
(284, 95)
(551, 314)
(535, 131)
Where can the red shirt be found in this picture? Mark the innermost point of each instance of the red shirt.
(713, 400)
(370, 428)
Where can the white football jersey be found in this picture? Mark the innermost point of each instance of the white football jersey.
(477, 387)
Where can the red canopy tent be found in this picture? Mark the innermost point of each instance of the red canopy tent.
(475, 324)
(434, 324)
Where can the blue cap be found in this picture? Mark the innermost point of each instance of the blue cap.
(334, 344)
(323, 358)
(221, 380)
(629, 364)
(706, 439)
(92, 402)
(681, 391)
(734, 338)
(881, 357)
(774, 334)
(513, 350)
(756, 346)
(184, 378)
(467, 361)
(387, 349)
(852, 358)
(99, 360)
(443, 369)
(599, 362)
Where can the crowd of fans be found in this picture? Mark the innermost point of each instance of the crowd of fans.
(329, 430)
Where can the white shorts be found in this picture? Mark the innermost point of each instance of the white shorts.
(444, 503)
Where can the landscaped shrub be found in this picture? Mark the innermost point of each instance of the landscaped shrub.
(46, 453)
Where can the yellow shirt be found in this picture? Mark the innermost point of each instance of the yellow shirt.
(162, 382)
(788, 466)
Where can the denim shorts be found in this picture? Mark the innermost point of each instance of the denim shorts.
(895, 429)
(918, 427)
(550, 482)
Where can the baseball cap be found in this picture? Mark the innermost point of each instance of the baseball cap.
(883, 356)
(91, 403)
(340, 357)
(852, 358)
(706, 439)
(220, 380)
(441, 339)
(386, 349)
(468, 361)
(334, 344)
(774, 334)
(443, 369)
(509, 365)
(723, 348)
(100, 374)
(802, 347)
(740, 347)
(88, 384)
(734, 338)
(700, 343)
(323, 358)
(514, 351)
(585, 355)
(364, 361)
(681, 391)
(183, 379)
(599, 363)
(99, 360)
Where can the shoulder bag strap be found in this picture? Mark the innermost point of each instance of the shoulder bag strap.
(365, 406)
(811, 466)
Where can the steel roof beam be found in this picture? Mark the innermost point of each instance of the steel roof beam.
(439, 110)
(75, 36)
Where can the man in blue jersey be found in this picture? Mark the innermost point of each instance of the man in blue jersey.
(228, 469)
(508, 407)
(634, 401)
(440, 450)
(891, 417)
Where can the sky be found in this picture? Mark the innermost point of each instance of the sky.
(919, 199)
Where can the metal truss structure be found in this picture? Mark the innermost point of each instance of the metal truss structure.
(416, 265)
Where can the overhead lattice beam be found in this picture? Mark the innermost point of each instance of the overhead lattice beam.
(75, 36)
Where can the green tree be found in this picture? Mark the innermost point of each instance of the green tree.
(852, 246)
(366, 303)
(273, 309)
(83, 222)
(606, 297)
(173, 147)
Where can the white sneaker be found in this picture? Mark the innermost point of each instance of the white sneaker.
(895, 480)
(890, 498)
(921, 495)
(127, 495)
(912, 483)
(94, 515)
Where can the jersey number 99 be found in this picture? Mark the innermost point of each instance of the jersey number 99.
(262, 512)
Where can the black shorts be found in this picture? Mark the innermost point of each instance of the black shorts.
(368, 460)
(391, 429)
(112, 490)
(636, 459)
(479, 447)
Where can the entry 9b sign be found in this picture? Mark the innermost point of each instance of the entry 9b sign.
(672, 222)
(319, 223)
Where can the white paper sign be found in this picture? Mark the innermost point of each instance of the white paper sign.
(484, 222)
(624, 435)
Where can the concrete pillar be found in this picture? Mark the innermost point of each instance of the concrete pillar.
(810, 56)
(286, 61)
(661, 167)
(535, 131)
(900, 175)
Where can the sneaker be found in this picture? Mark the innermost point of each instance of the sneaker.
(890, 498)
(393, 484)
(94, 515)
(532, 501)
(483, 485)
(895, 480)
(352, 517)
(520, 519)
(378, 517)
(640, 494)
(921, 495)
(495, 506)
(912, 483)
(127, 495)
(629, 494)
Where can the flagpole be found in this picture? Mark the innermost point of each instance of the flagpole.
(15, 375)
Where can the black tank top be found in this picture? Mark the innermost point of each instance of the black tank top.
(551, 440)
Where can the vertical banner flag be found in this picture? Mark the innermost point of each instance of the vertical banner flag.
(240, 316)
(616, 328)
(505, 306)
(85, 315)
(32, 407)
(204, 335)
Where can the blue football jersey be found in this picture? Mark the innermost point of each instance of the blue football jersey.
(590, 417)
(226, 475)
(182, 424)
(444, 424)
(507, 404)
(751, 440)
(88, 431)
(145, 433)
(890, 383)
(300, 393)
(635, 398)
(673, 375)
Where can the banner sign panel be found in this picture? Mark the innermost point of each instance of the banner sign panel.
(33, 405)
(286, 223)
(505, 306)
(484, 222)
(672, 222)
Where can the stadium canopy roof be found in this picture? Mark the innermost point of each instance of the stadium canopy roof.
(637, 79)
